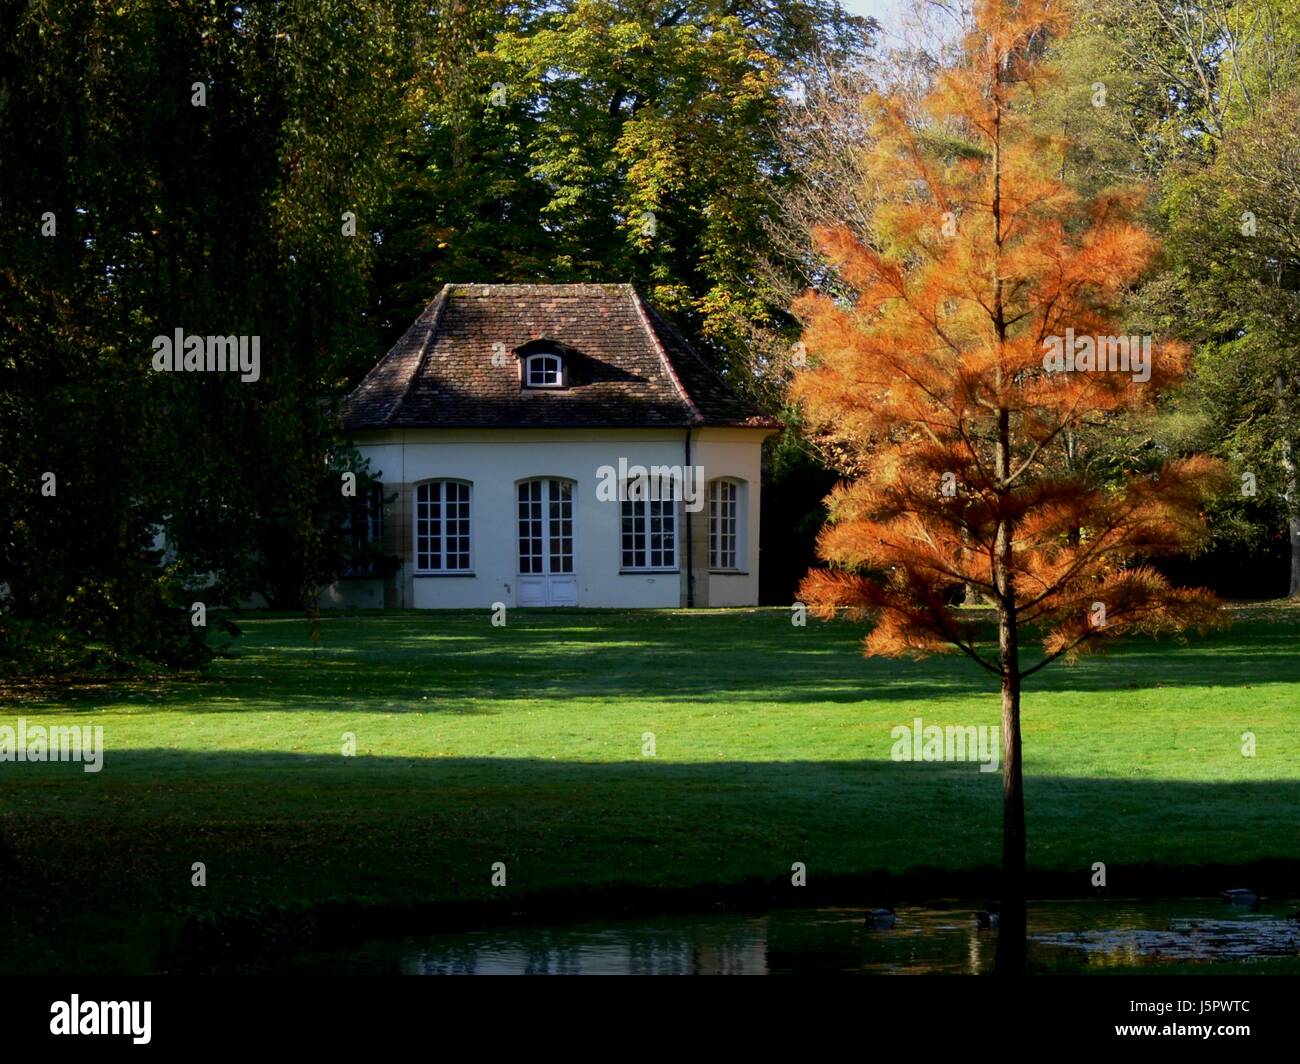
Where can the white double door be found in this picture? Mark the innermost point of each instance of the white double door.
(546, 570)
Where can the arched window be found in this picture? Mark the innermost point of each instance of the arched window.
(544, 370)
(726, 518)
(442, 522)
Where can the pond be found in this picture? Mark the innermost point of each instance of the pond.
(939, 938)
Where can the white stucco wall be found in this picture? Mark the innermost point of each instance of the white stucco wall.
(730, 453)
(496, 460)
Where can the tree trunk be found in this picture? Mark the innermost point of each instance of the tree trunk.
(1294, 524)
(1010, 958)
(1292, 518)
(1291, 494)
(1295, 559)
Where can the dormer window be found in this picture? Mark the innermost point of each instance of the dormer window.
(544, 370)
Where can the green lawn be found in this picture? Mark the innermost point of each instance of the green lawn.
(523, 744)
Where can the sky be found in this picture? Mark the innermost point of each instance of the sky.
(884, 10)
(892, 16)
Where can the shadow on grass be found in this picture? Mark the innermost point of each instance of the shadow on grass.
(106, 860)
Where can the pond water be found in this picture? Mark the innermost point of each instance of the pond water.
(941, 938)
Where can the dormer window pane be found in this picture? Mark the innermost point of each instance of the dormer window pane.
(543, 371)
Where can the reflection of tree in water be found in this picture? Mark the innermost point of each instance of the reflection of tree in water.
(554, 955)
(732, 949)
(703, 948)
(658, 952)
(460, 960)
(943, 939)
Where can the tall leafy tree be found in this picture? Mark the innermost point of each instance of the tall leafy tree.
(1182, 94)
(934, 373)
(182, 167)
(602, 139)
(1235, 231)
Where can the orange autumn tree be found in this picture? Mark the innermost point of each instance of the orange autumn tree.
(952, 379)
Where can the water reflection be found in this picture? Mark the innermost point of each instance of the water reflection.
(934, 939)
(727, 947)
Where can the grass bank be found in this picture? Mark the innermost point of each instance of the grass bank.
(525, 745)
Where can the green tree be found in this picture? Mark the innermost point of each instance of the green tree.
(601, 139)
(181, 166)
(1235, 229)
(1195, 98)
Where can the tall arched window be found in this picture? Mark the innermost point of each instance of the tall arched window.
(726, 519)
(547, 574)
(442, 526)
(545, 526)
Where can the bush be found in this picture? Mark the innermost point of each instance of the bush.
(108, 627)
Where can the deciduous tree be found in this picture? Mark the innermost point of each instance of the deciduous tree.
(936, 372)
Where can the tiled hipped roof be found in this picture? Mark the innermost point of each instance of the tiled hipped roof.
(627, 367)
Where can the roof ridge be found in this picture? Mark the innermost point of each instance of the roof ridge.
(538, 284)
(690, 349)
(704, 363)
(438, 305)
(671, 370)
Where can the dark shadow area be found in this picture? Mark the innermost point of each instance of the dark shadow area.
(297, 847)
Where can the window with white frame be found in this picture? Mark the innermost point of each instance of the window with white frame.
(724, 524)
(545, 527)
(442, 526)
(649, 525)
(544, 370)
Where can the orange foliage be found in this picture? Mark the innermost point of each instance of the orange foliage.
(934, 379)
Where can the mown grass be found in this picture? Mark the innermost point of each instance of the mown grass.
(523, 745)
